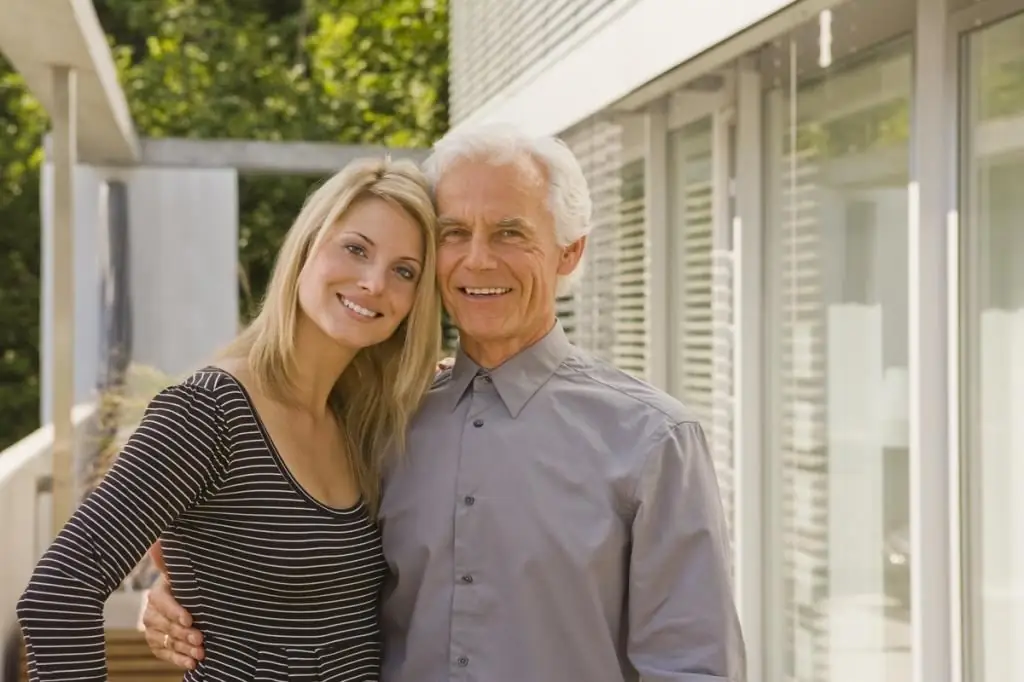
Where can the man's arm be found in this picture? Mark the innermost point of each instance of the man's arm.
(168, 626)
(683, 624)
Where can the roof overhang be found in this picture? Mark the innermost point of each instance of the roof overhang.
(38, 35)
(273, 157)
(619, 51)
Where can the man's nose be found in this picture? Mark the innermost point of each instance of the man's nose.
(480, 256)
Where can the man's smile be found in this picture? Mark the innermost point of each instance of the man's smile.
(484, 292)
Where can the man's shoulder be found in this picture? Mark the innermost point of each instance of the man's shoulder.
(623, 392)
(434, 402)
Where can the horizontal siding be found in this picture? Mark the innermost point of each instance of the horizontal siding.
(598, 146)
(493, 42)
(606, 315)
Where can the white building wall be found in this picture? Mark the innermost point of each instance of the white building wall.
(599, 63)
(495, 42)
(86, 227)
(183, 234)
(184, 256)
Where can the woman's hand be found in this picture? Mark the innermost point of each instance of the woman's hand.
(168, 628)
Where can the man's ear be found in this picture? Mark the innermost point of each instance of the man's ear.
(571, 255)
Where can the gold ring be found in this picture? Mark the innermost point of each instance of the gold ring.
(167, 641)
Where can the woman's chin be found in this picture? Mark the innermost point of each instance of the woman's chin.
(358, 338)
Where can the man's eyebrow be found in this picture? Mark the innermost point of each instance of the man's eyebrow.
(521, 223)
(448, 221)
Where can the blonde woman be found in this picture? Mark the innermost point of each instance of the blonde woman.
(261, 473)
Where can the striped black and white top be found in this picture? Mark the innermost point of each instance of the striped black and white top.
(283, 587)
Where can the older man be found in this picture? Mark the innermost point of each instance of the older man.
(555, 519)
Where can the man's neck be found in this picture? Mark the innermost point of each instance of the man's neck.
(492, 353)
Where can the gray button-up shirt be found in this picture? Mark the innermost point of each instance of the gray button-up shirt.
(556, 520)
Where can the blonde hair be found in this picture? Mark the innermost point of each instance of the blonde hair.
(379, 391)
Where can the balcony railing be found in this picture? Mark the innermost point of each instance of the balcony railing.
(26, 513)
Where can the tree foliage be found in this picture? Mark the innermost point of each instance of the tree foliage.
(22, 123)
(347, 71)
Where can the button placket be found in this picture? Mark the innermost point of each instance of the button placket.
(472, 465)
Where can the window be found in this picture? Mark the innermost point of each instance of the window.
(701, 279)
(631, 274)
(993, 225)
(838, 393)
(608, 311)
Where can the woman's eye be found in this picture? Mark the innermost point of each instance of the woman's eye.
(355, 249)
(407, 273)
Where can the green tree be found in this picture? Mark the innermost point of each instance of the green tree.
(22, 123)
(347, 71)
(358, 71)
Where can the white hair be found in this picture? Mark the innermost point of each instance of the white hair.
(568, 194)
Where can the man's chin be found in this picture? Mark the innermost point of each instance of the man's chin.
(489, 330)
(484, 333)
(484, 318)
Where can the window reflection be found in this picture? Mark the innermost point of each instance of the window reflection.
(994, 225)
(702, 281)
(839, 152)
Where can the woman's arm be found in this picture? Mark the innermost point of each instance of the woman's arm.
(175, 456)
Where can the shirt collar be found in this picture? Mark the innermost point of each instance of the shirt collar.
(519, 377)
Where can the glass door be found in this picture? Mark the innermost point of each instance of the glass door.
(837, 451)
(991, 79)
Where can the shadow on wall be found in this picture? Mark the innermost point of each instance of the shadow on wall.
(11, 665)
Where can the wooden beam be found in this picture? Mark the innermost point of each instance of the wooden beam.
(249, 156)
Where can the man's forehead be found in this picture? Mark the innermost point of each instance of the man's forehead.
(522, 171)
(477, 195)
(476, 190)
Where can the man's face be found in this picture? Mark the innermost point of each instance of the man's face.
(498, 260)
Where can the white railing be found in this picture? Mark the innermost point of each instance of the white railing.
(26, 512)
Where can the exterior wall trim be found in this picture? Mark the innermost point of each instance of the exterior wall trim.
(569, 86)
(731, 48)
(932, 478)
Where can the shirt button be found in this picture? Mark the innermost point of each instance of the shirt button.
(467, 579)
(478, 423)
(469, 500)
(463, 661)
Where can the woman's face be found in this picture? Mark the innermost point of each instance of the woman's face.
(361, 282)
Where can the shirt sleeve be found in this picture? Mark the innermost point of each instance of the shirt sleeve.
(683, 624)
(174, 457)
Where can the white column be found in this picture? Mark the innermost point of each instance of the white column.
(65, 152)
(932, 467)
(748, 296)
(656, 224)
